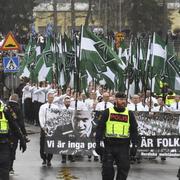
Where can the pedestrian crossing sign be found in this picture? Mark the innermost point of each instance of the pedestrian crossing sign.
(10, 43)
(11, 64)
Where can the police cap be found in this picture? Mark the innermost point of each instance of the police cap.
(120, 95)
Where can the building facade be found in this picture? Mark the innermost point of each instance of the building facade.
(45, 13)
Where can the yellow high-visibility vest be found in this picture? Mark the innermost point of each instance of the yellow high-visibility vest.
(170, 99)
(117, 125)
(4, 126)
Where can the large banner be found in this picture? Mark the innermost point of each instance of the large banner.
(73, 132)
(159, 134)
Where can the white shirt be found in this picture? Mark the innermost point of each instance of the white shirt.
(173, 106)
(27, 92)
(69, 108)
(159, 109)
(90, 104)
(43, 112)
(140, 107)
(80, 105)
(34, 96)
(41, 94)
(101, 106)
(58, 100)
(154, 100)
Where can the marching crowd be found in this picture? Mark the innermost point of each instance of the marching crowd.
(34, 98)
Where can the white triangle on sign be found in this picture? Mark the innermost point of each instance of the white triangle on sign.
(11, 65)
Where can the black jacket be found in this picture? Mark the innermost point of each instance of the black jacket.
(14, 127)
(19, 115)
(101, 127)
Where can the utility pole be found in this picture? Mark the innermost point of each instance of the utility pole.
(120, 15)
(164, 31)
(55, 16)
(106, 18)
(56, 73)
(73, 24)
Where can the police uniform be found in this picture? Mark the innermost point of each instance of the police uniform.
(116, 128)
(15, 108)
(7, 123)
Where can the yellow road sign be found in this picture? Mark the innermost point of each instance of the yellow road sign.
(10, 43)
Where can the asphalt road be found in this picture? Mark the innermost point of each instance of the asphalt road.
(28, 167)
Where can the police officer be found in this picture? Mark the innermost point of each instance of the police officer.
(117, 128)
(7, 123)
(17, 114)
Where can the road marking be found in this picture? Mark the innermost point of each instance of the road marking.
(65, 174)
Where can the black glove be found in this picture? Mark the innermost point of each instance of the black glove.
(133, 150)
(22, 145)
(99, 150)
(27, 139)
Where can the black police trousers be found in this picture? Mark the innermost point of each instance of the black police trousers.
(4, 161)
(118, 154)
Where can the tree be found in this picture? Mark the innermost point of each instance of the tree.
(88, 14)
(146, 15)
(137, 15)
(16, 15)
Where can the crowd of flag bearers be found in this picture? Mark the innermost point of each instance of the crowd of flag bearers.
(98, 98)
(82, 59)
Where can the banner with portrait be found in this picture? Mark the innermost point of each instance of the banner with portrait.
(70, 132)
(73, 132)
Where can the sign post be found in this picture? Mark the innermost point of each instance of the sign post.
(10, 63)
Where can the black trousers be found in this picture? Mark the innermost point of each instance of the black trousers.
(28, 109)
(118, 154)
(4, 161)
(44, 156)
(13, 146)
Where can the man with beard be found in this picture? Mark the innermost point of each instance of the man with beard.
(117, 128)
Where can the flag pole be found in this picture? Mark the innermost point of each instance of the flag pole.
(146, 71)
(127, 67)
(76, 70)
(163, 74)
(151, 71)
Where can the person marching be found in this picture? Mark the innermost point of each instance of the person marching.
(117, 128)
(7, 124)
(42, 120)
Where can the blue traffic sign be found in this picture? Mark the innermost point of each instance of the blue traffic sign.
(11, 64)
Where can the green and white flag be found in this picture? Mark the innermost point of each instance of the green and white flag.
(41, 70)
(94, 51)
(158, 60)
(49, 52)
(159, 55)
(24, 71)
(173, 73)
